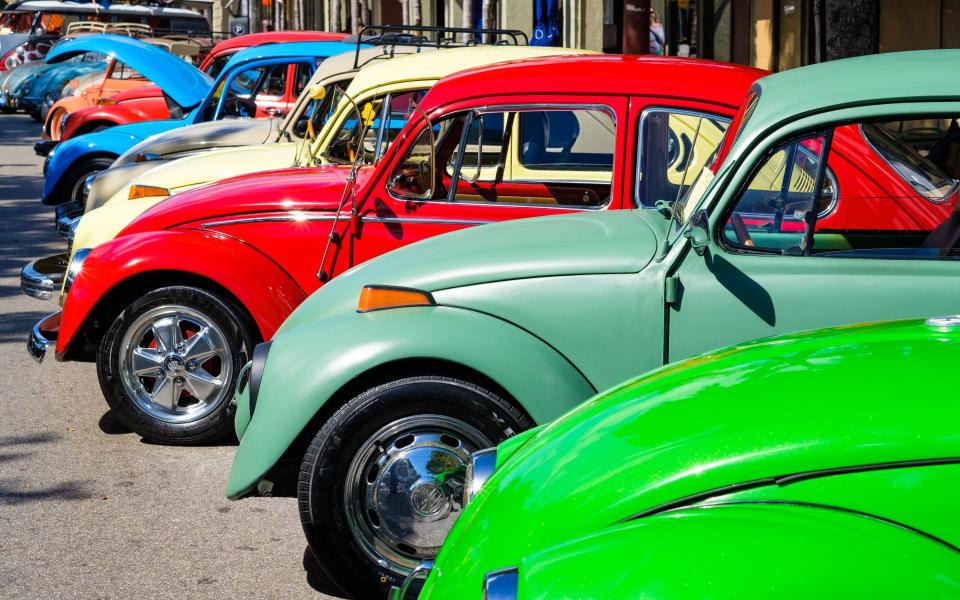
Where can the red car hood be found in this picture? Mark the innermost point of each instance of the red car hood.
(305, 189)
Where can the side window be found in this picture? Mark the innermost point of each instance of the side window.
(673, 148)
(357, 133)
(879, 197)
(273, 81)
(773, 211)
(414, 177)
(553, 157)
(301, 78)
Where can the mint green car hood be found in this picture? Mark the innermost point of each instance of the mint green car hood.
(828, 399)
(617, 241)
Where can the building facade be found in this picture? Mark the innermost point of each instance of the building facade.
(771, 34)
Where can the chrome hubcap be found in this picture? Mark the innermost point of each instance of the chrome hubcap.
(405, 486)
(175, 364)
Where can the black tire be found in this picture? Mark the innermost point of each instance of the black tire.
(71, 186)
(237, 335)
(7, 110)
(326, 466)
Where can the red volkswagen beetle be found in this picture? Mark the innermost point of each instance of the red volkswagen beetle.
(172, 307)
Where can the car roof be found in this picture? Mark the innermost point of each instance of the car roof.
(893, 77)
(291, 49)
(270, 37)
(722, 83)
(437, 65)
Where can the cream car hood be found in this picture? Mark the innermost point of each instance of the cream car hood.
(200, 169)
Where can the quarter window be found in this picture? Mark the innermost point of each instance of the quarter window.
(675, 146)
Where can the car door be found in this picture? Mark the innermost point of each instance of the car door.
(512, 159)
(780, 258)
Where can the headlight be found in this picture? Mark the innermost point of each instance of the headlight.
(501, 585)
(49, 99)
(73, 269)
(260, 352)
(481, 467)
(63, 123)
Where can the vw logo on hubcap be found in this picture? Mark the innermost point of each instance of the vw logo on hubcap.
(173, 365)
(428, 499)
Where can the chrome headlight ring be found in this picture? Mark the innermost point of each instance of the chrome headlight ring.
(73, 269)
(481, 467)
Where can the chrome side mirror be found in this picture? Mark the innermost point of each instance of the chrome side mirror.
(698, 232)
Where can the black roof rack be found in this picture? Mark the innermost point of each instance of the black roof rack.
(418, 36)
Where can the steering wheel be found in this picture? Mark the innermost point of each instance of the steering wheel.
(740, 230)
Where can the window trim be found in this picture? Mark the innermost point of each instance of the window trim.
(946, 197)
(641, 120)
(718, 229)
(530, 108)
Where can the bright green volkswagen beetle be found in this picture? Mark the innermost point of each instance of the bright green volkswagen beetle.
(818, 465)
(372, 394)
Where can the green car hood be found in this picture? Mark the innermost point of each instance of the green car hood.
(733, 419)
(619, 241)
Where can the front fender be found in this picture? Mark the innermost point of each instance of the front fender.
(262, 287)
(309, 364)
(70, 152)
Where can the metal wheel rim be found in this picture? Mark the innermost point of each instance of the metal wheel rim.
(379, 541)
(171, 376)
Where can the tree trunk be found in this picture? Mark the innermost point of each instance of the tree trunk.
(405, 12)
(354, 17)
(416, 12)
(468, 18)
(850, 28)
(333, 23)
(488, 18)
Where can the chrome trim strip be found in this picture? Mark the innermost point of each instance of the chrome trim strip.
(425, 220)
(291, 217)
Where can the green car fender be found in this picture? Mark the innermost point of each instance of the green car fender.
(466, 338)
(753, 550)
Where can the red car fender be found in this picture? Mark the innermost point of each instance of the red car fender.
(264, 289)
(148, 109)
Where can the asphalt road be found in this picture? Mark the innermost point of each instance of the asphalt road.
(88, 509)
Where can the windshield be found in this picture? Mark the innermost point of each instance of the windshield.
(924, 176)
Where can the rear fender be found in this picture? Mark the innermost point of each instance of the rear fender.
(332, 358)
(125, 268)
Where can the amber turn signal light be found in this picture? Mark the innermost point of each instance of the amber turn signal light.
(107, 101)
(379, 297)
(146, 191)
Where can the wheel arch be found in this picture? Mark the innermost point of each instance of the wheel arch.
(98, 320)
(284, 474)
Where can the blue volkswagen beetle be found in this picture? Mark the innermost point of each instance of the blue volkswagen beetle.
(189, 93)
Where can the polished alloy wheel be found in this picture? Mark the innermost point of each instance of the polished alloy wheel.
(404, 487)
(175, 364)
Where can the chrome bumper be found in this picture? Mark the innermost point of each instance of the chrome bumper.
(41, 278)
(421, 571)
(66, 215)
(43, 335)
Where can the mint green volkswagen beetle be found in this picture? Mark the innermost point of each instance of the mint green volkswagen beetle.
(819, 465)
(369, 399)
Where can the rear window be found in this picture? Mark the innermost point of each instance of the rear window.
(924, 176)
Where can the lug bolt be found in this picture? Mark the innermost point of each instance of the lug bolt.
(181, 381)
(191, 365)
(160, 373)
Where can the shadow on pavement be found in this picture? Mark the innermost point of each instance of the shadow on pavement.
(317, 579)
(111, 425)
(11, 492)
